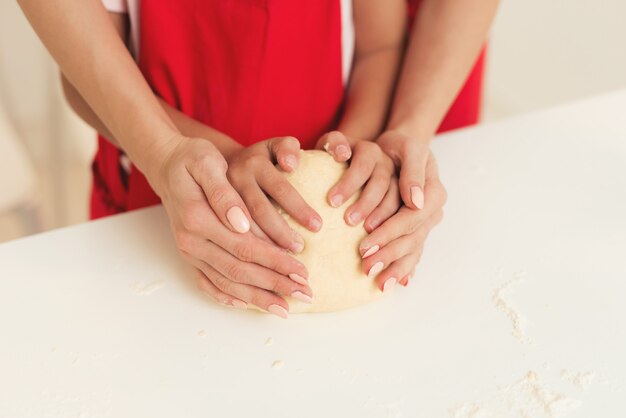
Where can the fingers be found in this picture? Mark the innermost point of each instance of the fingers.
(395, 250)
(288, 198)
(270, 221)
(222, 197)
(408, 220)
(217, 284)
(398, 259)
(245, 247)
(412, 175)
(374, 192)
(286, 150)
(337, 145)
(386, 209)
(251, 274)
(203, 283)
(358, 173)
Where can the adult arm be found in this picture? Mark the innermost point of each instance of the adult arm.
(186, 125)
(209, 220)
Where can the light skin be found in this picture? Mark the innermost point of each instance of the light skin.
(188, 172)
(443, 45)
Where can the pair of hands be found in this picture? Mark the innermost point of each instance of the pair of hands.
(226, 227)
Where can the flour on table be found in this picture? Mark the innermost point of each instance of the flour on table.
(201, 333)
(581, 380)
(145, 289)
(269, 341)
(529, 397)
(502, 303)
(277, 364)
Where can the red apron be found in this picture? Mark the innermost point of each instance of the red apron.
(253, 69)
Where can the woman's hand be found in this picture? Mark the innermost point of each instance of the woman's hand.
(253, 174)
(369, 168)
(211, 225)
(392, 250)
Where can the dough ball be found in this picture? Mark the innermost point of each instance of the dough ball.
(332, 254)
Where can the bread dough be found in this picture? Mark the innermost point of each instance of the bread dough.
(332, 254)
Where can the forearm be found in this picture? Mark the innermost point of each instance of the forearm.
(380, 27)
(444, 44)
(369, 93)
(81, 38)
(186, 125)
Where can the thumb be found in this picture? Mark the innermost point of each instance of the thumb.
(286, 150)
(412, 179)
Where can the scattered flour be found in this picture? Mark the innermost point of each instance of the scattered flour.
(277, 364)
(501, 302)
(147, 288)
(527, 398)
(581, 380)
(201, 333)
(269, 341)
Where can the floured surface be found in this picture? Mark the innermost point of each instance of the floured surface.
(76, 338)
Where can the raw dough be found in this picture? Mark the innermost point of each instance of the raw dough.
(332, 254)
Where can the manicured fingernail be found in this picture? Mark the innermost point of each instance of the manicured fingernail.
(376, 268)
(298, 279)
(390, 283)
(239, 304)
(302, 297)
(371, 251)
(278, 311)
(297, 247)
(373, 224)
(291, 161)
(315, 224)
(336, 201)
(238, 219)
(343, 151)
(354, 218)
(417, 197)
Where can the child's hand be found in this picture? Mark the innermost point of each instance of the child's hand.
(252, 173)
(369, 168)
(392, 250)
(211, 222)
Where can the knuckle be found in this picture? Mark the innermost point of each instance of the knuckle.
(258, 208)
(243, 251)
(218, 196)
(234, 271)
(222, 283)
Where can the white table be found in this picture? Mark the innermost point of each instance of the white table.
(518, 307)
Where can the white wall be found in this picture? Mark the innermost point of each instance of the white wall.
(544, 52)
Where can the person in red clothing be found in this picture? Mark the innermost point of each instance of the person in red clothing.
(213, 80)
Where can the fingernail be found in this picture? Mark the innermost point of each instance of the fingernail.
(238, 219)
(373, 224)
(278, 311)
(371, 251)
(298, 279)
(291, 161)
(336, 201)
(315, 224)
(354, 218)
(239, 304)
(390, 283)
(297, 247)
(343, 151)
(302, 297)
(376, 268)
(417, 197)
